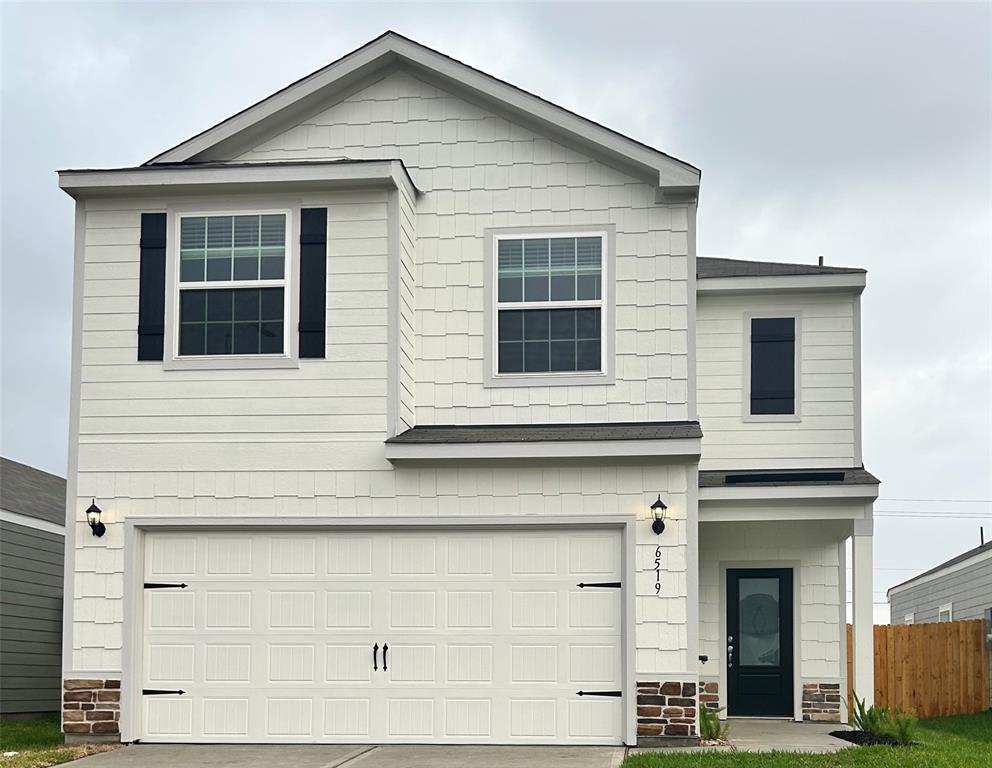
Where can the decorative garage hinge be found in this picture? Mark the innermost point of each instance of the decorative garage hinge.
(616, 694)
(163, 585)
(602, 584)
(160, 692)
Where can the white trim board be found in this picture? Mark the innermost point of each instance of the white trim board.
(854, 281)
(26, 521)
(565, 449)
(784, 493)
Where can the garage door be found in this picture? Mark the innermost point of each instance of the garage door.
(410, 636)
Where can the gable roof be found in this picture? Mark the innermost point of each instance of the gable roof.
(31, 492)
(710, 267)
(308, 94)
(979, 550)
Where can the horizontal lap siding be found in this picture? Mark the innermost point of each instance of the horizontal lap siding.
(969, 590)
(815, 545)
(825, 435)
(480, 170)
(30, 619)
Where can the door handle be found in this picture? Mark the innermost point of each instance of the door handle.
(375, 657)
(385, 650)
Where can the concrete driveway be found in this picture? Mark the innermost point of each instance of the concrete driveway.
(306, 756)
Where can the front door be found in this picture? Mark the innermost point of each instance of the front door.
(759, 642)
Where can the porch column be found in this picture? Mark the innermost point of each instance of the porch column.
(863, 609)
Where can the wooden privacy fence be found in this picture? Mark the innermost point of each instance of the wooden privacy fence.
(933, 669)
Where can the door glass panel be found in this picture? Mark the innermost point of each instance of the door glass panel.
(759, 622)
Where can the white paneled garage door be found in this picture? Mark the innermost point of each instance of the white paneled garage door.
(489, 637)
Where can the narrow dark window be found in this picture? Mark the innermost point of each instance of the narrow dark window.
(773, 365)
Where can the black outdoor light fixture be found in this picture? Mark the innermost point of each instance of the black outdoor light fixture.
(93, 515)
(658, 508)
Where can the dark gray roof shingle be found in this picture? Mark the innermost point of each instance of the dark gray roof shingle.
(707, 267)
(31, 492)
(529, 433)
(987, 546)
(772, 477)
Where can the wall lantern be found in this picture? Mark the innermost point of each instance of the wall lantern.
(658, 509)
(93, 515)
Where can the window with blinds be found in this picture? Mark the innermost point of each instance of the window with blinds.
(232, 284)
(773, 365)
(549, 304)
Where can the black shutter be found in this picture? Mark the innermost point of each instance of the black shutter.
(313, 281)
(151, 290)
(773, 365)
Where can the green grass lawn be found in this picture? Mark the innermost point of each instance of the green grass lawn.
(964, 741)
(38, 744)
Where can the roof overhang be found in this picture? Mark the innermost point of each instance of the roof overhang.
(668, 440)
(853, 282)
(941, 570)
(241, 177)
(226, 139)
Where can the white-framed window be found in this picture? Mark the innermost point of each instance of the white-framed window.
(945, 612)
(550, 300)
(909, 618)
(232, 277)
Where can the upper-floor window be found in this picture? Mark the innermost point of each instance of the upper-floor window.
(945, 612)
(550, 304)
(774, 362)
(232, 297)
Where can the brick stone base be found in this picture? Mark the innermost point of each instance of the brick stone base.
(665, 710)
(821, 702)
(709, 695)
(91, 711)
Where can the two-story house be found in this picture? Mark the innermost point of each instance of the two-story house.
(404, 411)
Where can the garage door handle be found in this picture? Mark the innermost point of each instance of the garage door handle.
(385, 650)
(375, 657)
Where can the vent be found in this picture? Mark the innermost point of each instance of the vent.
(786, 477)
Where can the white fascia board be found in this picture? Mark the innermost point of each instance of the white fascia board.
(784, 493)
(182, 179)
(981, 557)
(31, 522)
(713, 512)
(671, 173)
(854, 281)
(569, 449)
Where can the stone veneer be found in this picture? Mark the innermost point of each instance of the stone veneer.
(665, 711)
(709, 694)
(91, 710)
(821, 702)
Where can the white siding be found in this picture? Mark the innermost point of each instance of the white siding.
(814, 544)
(481, 170)
(407, 307)
(825, 436)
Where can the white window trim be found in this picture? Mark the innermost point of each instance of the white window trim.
(909, 618)
(949, 607)
(289, 358)
(606, 304)
(796, 416)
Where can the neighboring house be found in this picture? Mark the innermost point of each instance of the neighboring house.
(383, 387)
(32, 548)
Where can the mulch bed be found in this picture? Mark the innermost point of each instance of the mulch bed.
(865, 739)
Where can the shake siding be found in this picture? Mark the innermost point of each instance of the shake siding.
(824, 437)
(480, 170)
(815, 544)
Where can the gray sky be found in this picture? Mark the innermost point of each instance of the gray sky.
(860, 132)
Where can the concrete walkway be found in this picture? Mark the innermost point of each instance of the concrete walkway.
(317, 756)
(758, 735)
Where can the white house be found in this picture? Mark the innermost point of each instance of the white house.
(377, 385)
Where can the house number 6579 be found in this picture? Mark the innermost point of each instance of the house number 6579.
(657, 570)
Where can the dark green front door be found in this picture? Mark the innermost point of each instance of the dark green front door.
(759, 642)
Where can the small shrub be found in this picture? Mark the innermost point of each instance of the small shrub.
(868, 719)
(902, 727)
(711, 727)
